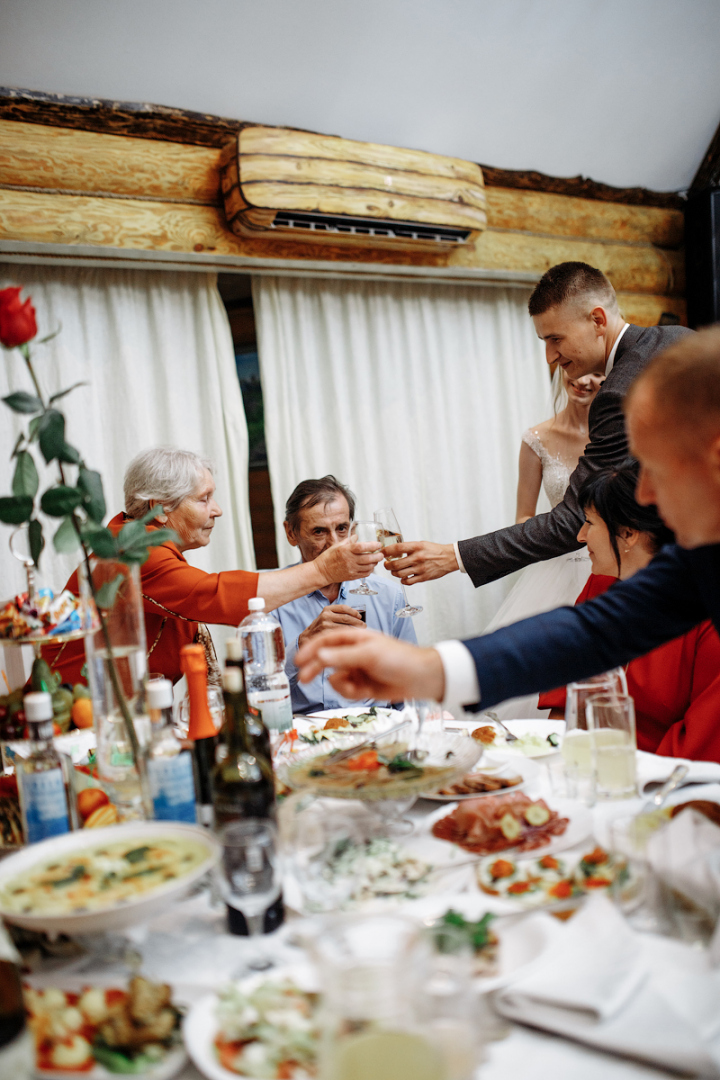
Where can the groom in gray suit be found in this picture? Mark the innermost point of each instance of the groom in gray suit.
(575, 312)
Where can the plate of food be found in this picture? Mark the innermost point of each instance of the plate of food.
(392, 767)
(264, 1026)
(90, 1031)
(513, 822)
(328, 724)
(103, 879)
(492, 776)
(547, 880)
(533, 738)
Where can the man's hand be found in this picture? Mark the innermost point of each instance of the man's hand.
(331, 618)
(371, 665)
(420, 561)
(348, 562)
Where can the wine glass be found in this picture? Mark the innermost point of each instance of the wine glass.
(364, 532)
(390, 533)
(249, 873)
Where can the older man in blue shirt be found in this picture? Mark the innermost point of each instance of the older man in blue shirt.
(319, 513)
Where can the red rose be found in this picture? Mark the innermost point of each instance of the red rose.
(17, 320)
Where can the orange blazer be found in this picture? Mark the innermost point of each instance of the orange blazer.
(176, 597)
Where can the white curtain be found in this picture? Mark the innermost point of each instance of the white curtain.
(415, 395)
(156, 353)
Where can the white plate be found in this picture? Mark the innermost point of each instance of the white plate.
(200, 1026)
(119, 915)
(167, 1068)
(386, 718)
(580, 826)
(496, 764)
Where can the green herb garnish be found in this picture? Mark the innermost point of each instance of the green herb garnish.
(75, 874)
(137, 854)
(477, 932)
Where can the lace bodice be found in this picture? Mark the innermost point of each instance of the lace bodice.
(555, 472)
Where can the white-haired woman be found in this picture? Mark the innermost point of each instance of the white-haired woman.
(178, 598)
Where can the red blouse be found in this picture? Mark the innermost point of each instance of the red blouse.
(676, 690)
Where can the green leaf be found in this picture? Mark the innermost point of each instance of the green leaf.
(161, 536)
(62, 393)
(18, 444)
(49, 337)
(51, 431)
(101, 542)
(90, 483)
(132, 555)
(33, 428)
(25, 478)
(37, 540)
(14, 509)
(23, 402)
(60, 500)
(66, 538)
(106, 593)
(69, 454)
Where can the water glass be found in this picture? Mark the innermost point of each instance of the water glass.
(249, 875)
(611, 727)
(576, 748)
(364, 532)
(445, 1000)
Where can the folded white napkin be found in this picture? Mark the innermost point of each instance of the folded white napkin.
(598, 986)
(685, 854)
(658, 768)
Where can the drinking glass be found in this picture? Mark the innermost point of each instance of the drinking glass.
(576, 750)
(249, 873)
(364, 532)
(182, 712)
(611, 726)
(390, 533)
(445, 1001)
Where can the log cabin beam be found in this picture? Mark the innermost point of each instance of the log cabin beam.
(29, 216)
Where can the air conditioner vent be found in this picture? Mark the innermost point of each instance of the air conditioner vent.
(407, 230)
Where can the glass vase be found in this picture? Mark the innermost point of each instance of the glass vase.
(117, 664)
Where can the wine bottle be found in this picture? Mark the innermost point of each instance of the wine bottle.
(16, 1043)
(201, 729)
(258, 732)
(243, 783)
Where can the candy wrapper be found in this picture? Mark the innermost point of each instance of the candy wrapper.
(43, 615)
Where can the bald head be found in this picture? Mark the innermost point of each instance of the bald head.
(673, 422)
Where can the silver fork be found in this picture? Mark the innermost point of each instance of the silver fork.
(496, 720)
(368, 744)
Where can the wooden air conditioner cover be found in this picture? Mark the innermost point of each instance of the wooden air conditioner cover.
(315, 187)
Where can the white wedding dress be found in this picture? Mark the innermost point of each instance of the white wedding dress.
(545, 585)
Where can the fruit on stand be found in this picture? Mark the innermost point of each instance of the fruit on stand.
(82, 712)
(104, 815)
(95, 809)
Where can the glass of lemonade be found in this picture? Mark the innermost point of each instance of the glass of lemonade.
(611, 729)
(373, 1027)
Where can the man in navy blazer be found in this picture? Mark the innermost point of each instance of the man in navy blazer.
(673, 420)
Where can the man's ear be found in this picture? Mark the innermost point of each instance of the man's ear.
(162, 517)
(290, 534)
(714, 459)
(599, 318)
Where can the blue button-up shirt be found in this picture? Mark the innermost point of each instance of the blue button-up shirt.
(297, 616)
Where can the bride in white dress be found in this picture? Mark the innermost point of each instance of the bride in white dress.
(549, 453)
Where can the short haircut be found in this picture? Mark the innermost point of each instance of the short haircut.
(570, 281)
(162, 475)
(611, 493)
(685, 380)
(311, 492)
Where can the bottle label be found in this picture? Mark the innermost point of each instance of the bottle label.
(173, 788)
(44, 803)
(274, 706)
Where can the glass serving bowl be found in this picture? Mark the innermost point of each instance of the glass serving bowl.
(433, 761)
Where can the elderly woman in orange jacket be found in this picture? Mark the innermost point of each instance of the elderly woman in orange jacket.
(178, 598)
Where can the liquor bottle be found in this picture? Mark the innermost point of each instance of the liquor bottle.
(170, 767)
(47, 798)
(201, 729)
(259, 734)
(268, 688)
(17, 1051)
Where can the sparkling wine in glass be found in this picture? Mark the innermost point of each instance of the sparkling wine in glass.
(390, 533)
(364, 532)
(249, 874)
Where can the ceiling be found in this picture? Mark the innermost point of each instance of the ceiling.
(624, 91)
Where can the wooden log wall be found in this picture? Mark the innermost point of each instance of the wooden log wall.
(67, 186)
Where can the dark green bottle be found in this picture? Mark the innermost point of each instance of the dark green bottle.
(259, 734)
(243, 783)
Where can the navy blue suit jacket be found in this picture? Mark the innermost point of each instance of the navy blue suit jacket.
(678, 590)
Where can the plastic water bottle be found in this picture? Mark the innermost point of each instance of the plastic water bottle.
(268, 689)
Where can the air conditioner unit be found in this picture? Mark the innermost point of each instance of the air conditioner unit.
(296, 184)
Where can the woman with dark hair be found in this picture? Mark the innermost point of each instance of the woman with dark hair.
(676, 687)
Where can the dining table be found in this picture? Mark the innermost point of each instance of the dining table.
(189, 947)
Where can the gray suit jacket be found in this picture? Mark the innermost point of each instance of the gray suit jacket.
(496, 554)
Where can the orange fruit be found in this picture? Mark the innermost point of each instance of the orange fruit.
(82, 712)
(104, 815)
(89, 800)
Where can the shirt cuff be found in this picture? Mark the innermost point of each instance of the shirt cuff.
(458, 556)
(461, 681)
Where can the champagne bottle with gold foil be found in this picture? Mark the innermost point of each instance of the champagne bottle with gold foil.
(201, 729)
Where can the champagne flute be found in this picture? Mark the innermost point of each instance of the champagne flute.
(249, 874)
(390, 533)
(364, 532)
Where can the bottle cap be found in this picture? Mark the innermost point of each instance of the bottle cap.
(257, 603)
(192, 659)
(159, 694)
(38, 706)
(234, 648)
(233, 680)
